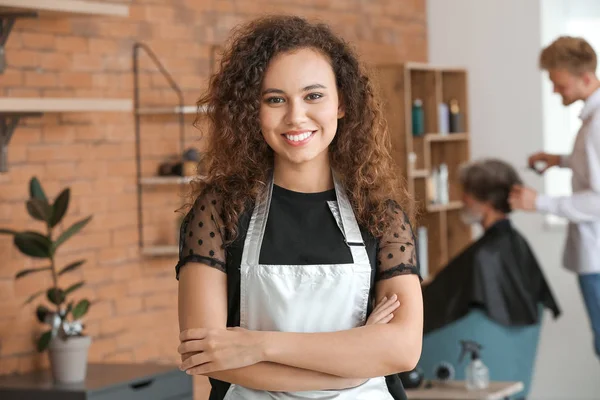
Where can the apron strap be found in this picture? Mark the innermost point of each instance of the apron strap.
(257, 226)
(348, 221)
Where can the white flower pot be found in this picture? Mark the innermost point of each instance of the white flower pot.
(68, 358)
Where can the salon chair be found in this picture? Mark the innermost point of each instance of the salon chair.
(508, 352)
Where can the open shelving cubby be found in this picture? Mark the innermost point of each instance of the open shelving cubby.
(417, 156)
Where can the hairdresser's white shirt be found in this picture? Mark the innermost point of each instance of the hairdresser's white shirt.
(582, 208)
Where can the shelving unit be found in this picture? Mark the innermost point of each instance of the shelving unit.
(141, 111)
(418, 156)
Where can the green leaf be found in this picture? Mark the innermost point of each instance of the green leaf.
(71, 267)
(41, 312)
(60, 206)
(44, 341)
(25, 272)
(7, 232)
(36, 191)
(72, 230)
(33, 244)
(33, 297)
(73, 287)
(55, 296)
(81, 309)
(39, 210)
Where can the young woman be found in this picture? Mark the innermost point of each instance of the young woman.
(298, 229)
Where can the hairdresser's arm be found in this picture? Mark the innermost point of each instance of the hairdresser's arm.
(364, 352)
(368, 351)
(203, 304)
(583, 206)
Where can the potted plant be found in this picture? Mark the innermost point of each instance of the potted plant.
(66, 344)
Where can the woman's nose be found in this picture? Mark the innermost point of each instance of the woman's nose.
(296, 113)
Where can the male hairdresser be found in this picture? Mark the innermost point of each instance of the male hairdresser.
(571, 65)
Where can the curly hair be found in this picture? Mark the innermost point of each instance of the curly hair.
(238, 160)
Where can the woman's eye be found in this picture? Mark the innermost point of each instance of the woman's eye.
(314, 96)
(274, 100)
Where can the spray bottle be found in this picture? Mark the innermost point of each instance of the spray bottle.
(476, 374)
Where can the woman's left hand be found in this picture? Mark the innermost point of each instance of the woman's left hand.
(219, 349)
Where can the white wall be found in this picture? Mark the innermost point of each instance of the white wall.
(499, 41)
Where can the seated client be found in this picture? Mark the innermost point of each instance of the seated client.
(497, 273)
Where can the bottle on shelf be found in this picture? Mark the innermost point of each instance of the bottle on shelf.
(456, 124)
(432, 186)
(443, 119)
(418, 118)
(442, 190)
(412, 161)
(437, 185)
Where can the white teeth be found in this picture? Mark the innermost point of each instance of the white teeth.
(299, 138)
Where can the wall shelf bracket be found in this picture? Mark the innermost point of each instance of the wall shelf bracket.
(7, 21)
(8, 124)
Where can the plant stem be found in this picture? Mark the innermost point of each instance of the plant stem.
(53, 269)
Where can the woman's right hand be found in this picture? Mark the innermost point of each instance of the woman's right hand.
(384, 311)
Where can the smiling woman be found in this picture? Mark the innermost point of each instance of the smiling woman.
(300, 111)
(297, 273)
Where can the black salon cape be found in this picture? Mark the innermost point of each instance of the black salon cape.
(499, 274)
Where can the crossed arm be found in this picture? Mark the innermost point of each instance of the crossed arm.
(283, 361)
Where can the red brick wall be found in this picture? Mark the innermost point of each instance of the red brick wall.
(134, 316)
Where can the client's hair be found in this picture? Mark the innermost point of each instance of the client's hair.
(490, 180)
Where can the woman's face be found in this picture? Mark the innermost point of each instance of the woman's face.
(299, 106)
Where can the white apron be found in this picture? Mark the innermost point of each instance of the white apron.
(306, 298)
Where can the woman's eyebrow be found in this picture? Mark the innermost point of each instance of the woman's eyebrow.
(305, 89)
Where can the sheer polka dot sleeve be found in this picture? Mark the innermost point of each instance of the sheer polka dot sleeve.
(201, 235)
(397, 253)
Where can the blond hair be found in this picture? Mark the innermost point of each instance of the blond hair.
(571, 53)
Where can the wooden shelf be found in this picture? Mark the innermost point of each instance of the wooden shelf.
(419, 173)
(166, 180)
(418, 156)
(16, 105)
(417, 66)
(61, 7)
(453, 205)
(449, 137)
(170, 110)
(160, 251)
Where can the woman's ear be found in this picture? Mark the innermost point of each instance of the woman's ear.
(341, 111)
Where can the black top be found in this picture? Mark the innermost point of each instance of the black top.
(300, 230)
(498, 273)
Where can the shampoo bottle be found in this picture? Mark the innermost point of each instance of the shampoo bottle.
(418, 118)
(442, 190)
